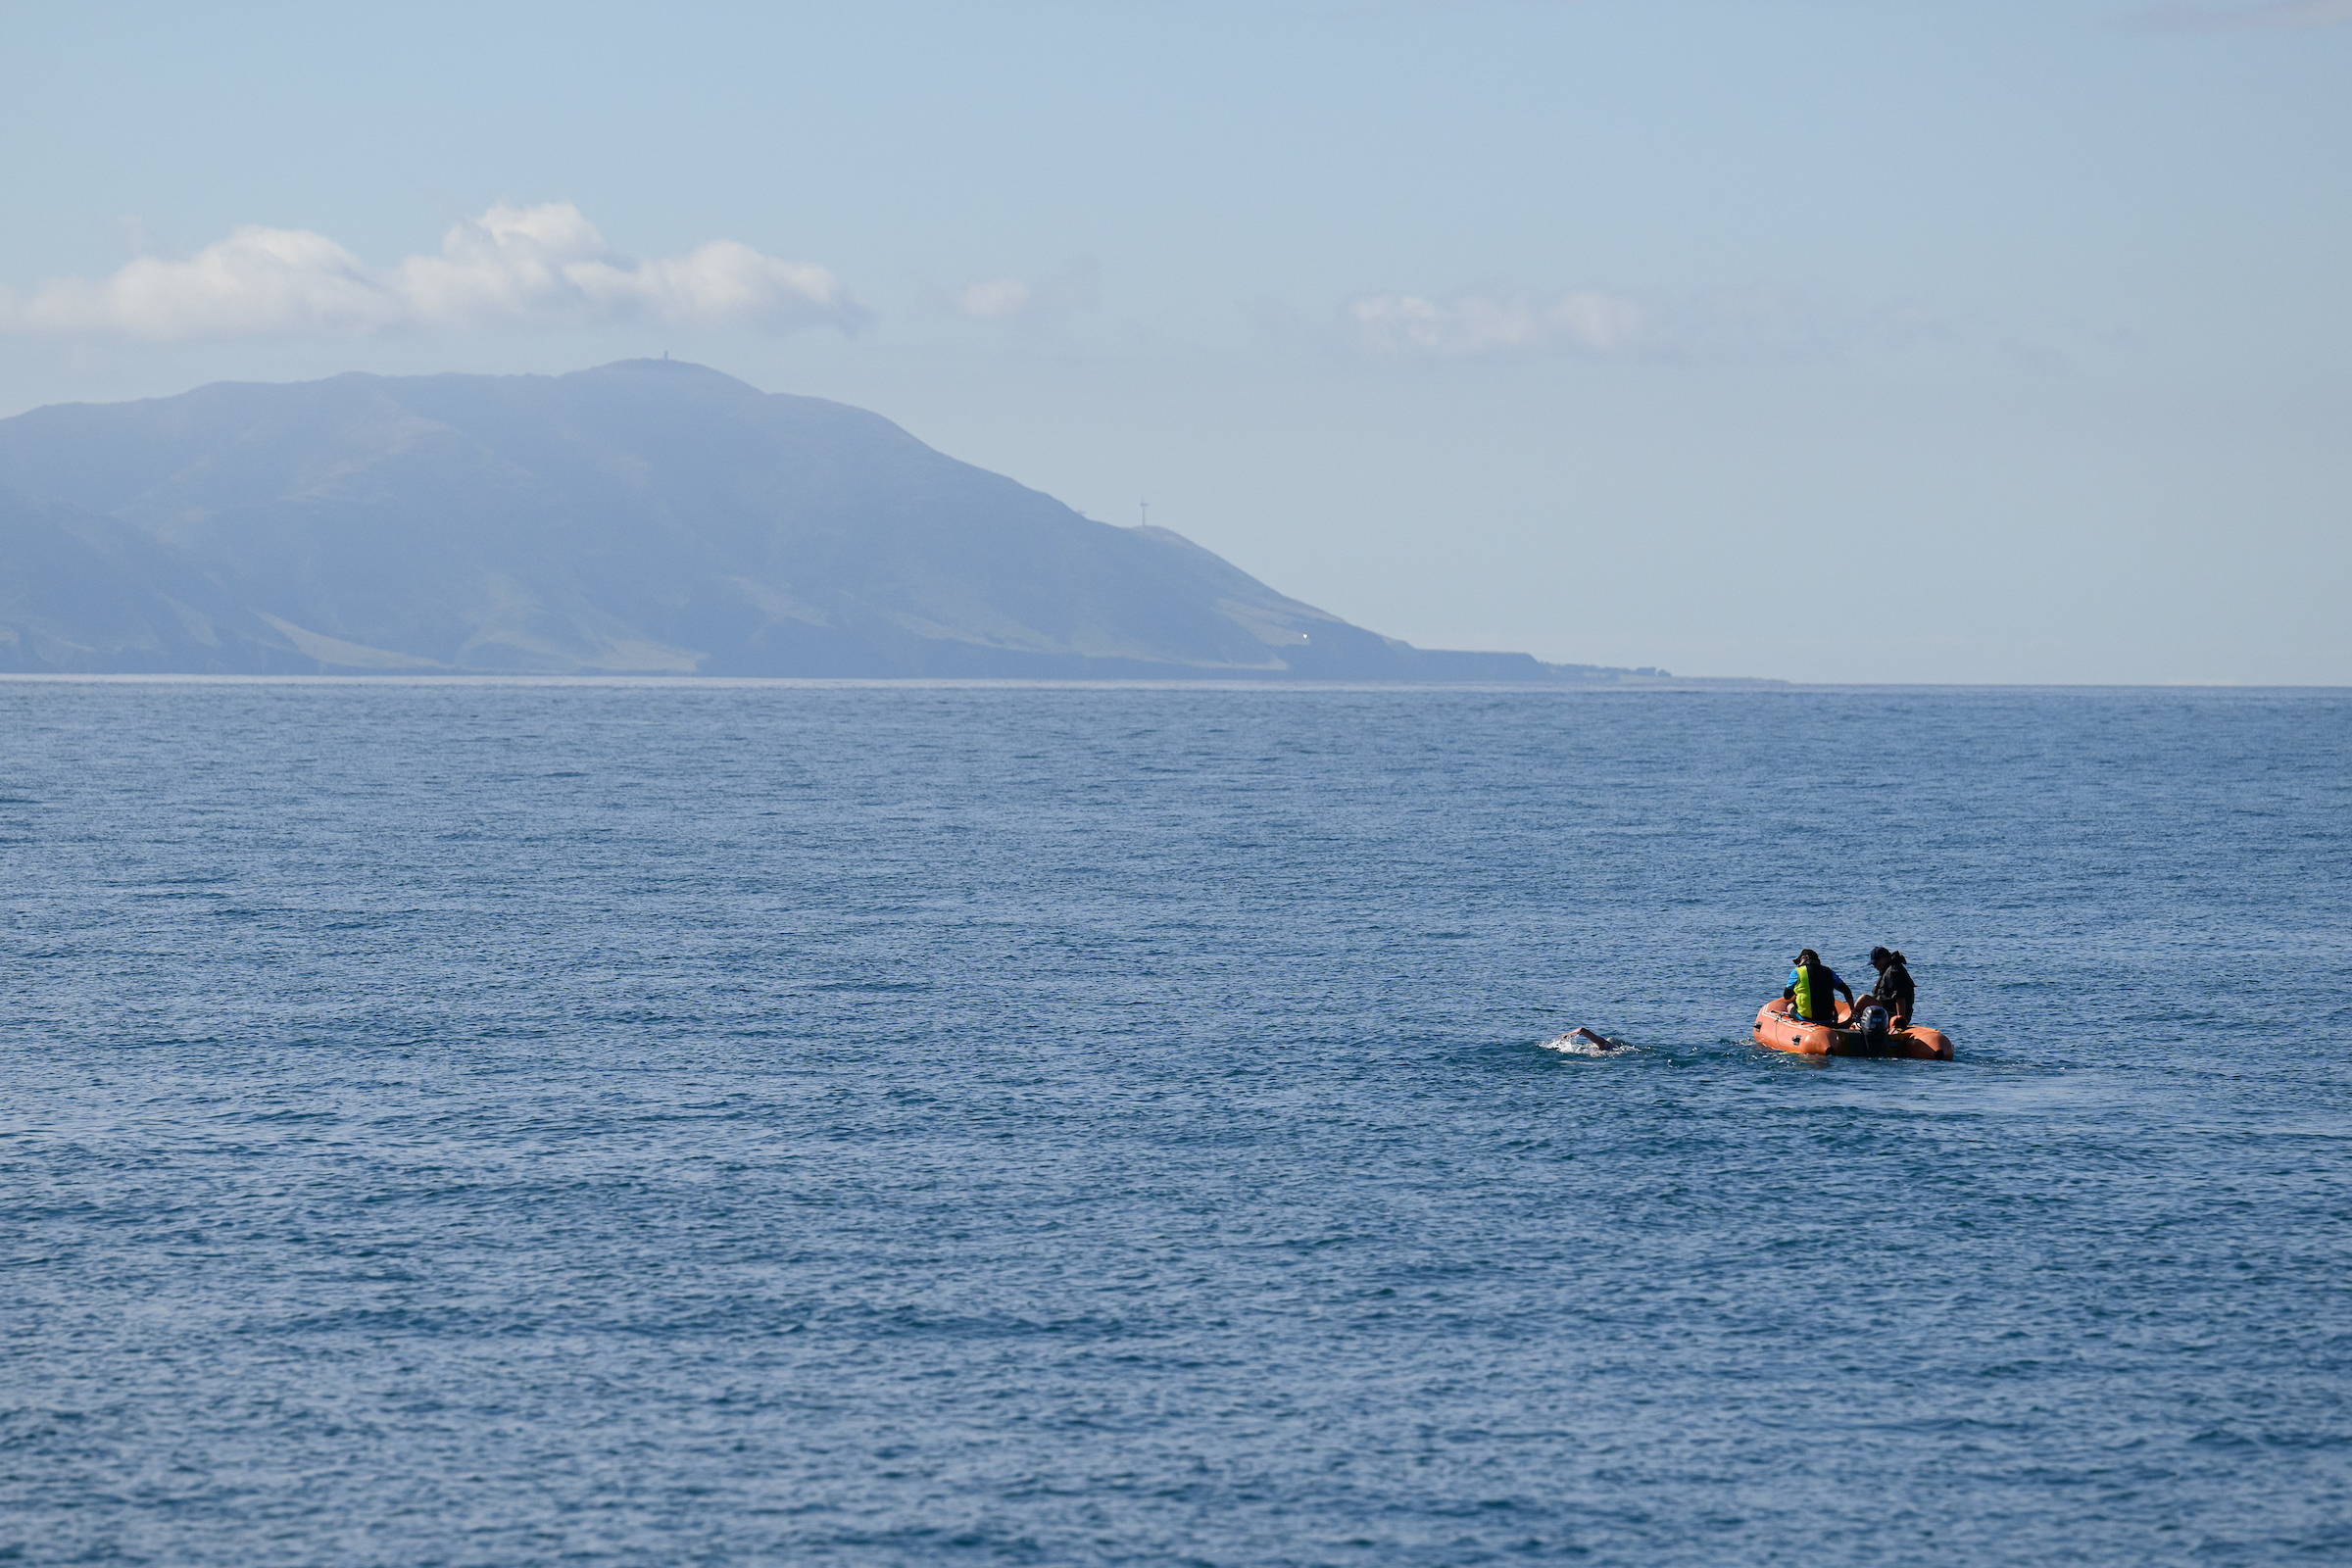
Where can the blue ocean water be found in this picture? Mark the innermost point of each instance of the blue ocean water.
(484, 1123)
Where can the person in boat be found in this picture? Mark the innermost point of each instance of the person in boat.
(1895, 988)
(1810, 987)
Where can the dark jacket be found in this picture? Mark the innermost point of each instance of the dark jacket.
(1895, 990)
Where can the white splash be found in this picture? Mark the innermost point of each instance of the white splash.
(1583, 1042)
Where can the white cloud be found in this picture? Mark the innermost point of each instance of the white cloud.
(1465, 325)
(1037, 304)
(996, 300)
(258, 280)
(2270, 14)
(512, 267)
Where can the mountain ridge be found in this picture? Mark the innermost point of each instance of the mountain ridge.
(648, 517)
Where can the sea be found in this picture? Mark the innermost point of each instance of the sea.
(571, 1122)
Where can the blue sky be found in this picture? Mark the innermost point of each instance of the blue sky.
(1974, 341)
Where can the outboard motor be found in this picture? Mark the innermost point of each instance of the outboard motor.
(1871, 1021)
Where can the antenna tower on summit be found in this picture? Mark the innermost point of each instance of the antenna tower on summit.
(1143, 507)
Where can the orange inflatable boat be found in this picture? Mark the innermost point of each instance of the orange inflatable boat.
(1777, 1030)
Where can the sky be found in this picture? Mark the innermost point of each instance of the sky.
(1830, 341)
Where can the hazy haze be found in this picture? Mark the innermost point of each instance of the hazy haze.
(1667, 334)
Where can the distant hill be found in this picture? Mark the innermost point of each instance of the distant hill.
(650, 516)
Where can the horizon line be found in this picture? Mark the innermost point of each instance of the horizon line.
(1745, 685)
